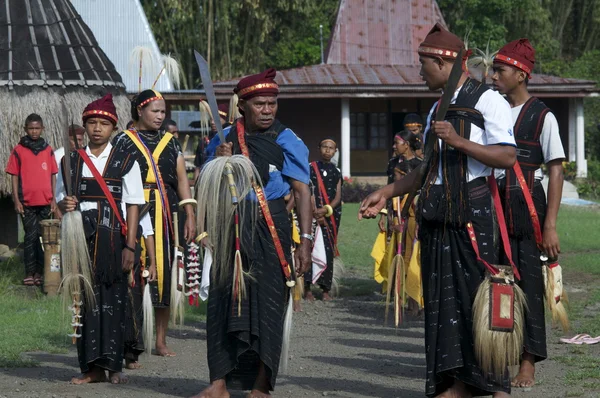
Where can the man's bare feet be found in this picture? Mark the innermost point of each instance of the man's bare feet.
(163, 351)
(458, 390)
(526, 376)
(308, 296)
(297, 306)
(258, 394)
(132, 365)
(96, 375)
(326, 296)
(217, 389)
(117, 378)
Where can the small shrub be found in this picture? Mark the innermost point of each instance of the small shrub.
(569, 170)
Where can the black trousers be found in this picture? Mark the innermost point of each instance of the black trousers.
(33, 255)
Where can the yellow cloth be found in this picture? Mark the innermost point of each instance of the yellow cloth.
(390, 252)
(377, 252)
(414, 284)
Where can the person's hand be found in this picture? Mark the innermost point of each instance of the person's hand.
(550, 243)
(320, 212)
(19, 207)
(371, 205)
(395, 228)
(69, 203)
(321, 221)
(446, 132)
(381, 223)
(152, 271)
(127, 258)
(225, 149)
(189, 230)
(53, 206)
(303, 256)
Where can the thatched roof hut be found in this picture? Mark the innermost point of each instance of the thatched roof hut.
(48, 55)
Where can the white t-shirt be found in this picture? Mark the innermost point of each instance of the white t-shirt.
(550, 141)
(58, 155)
(498, 130)
(133, 187)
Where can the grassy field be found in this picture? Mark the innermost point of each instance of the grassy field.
(36, 323)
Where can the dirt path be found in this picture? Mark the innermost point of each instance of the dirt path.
(339, 349)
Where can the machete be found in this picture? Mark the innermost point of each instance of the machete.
(440, 115)
(210, 93)
(66, 163)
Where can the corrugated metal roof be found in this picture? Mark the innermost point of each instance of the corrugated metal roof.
(120, 26)
(48, 44)
(375, 75)
(381, 32)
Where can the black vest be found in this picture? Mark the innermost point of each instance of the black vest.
(528, 128)
(450, 202)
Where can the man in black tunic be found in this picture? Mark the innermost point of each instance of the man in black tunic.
(475, 137)
(538, 142)
(244, 348)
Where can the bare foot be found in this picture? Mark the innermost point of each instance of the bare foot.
(132, 365)
(326, 296)
(297, 306)
(217, 389)
(117, 378)
(96, 375)
(526, 376)
(163, 351)
(258, 394)
(308, 296)
(458, 390)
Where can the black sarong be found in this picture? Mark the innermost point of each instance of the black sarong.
(526, 256)
(451, 276)
(134, 315)
(236, 344)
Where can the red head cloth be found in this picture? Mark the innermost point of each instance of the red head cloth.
(518, 53)
(260, 84)
(223, 110)
(441, 43)
(103, 107)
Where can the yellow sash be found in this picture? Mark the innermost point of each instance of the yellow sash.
(158, 208)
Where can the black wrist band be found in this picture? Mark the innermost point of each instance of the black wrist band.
(129, 248)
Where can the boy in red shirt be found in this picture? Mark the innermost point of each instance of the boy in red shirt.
(33, 170)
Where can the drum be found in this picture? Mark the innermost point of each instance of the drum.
(52, 269)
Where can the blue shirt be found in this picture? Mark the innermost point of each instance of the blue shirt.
(295, 163)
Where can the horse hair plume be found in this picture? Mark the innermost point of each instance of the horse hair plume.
(177, 297)
(339, 270)
(172, 68)
(215, 213)
(76, 264)
(234, 111)
(497, 350)
(148, 325)
(205, 118)
(141, 57)
(556, 307)
(287, 333)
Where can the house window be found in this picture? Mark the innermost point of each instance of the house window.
(368, 131)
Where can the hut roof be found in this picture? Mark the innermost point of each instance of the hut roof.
(49, 56)
(48, 44)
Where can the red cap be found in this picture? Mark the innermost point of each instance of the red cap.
(519, 54)
(103, 107)
(260, 84)
(439, 42)
(223, 110)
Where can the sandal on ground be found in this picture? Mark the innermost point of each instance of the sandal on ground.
(577, 339)
(38, 281)
(29, 281)
(591, 340)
